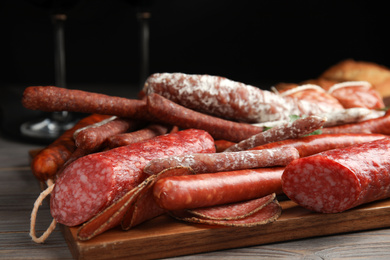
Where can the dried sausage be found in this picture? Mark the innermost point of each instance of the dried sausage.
(340, 179)
(93, 182)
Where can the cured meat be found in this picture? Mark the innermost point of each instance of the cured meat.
(228, 99)
(222, 145)
(297, 128)
(209, 189)
(93, 137)
(231, 211)
(340, 179)
(52, 99)
(267, 213)
(314, 94)
(357, 94)
(217, 162)
(47, 162)
(380, 125)
(312, 144)
(168, 112)
(93, 182)
(133, 208)
(137, 136)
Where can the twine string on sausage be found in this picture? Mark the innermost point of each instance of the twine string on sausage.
(34, 212)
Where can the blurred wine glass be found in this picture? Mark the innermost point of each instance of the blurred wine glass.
(143, 13)
(52, 127)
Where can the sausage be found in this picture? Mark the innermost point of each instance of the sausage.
(93, 182)
(380, 125)
(148, 132)
(228, 99)
(209, 189)
(222, 145)
(52, 99)
(48, 161)
(297, 128)
(134, 207)
(217, 162)
(340, 179)
(250, 213)
(357, 94)
(168, 112)
(312, 144)
(93, 138)
(313, 93)
(265, 215)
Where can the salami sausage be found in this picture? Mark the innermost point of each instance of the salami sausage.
(209, 189)
(228, 99)
(297, 128)
(137, 136)
(52, 99)
(266, 212)
(340, 179)
(312, 144)
(93, 138)
(48, 161)
(217, 162)
(313, 93)
(380, 125)
(170, 113)
(93, 182)
(357, 94)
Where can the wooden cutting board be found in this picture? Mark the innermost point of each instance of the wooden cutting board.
(167, 237)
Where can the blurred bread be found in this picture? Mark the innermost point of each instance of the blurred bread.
(351, 70)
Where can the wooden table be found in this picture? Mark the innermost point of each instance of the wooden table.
(19, 189)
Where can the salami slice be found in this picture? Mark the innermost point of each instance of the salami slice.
(234, 210)
(357, 94)
(93, 182)
(340, 179)
(314, 94)
(265, 215)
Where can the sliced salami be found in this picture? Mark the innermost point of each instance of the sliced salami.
(340, 179)
(265, 215)
(234, 210)
(93, 182)
(357, 94)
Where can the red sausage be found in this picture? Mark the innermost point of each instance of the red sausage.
(47, 162)
(380, 125)
(93, 182)
(228, 99)
(312, 144)
(203, 190)
(137, 136)
(94, 137)
(60, 99)
(170, 113)
(340, 179)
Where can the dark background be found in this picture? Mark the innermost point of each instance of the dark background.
(249, 41)
(255, 42)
